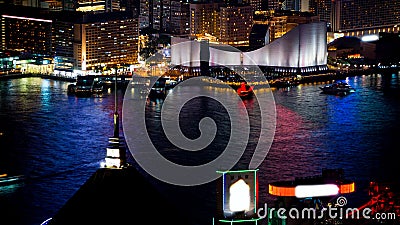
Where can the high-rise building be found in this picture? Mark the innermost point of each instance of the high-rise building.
(204, 19)
(93, 41)
(75, 40)
(291, 5)
(91, 6)
(273, 4)
(256, 4)
(63, 45)
(235, 24)
(166, 16)
(180, 17)
(144, 16)
(156, 14)
(358, 16)
(30, 34)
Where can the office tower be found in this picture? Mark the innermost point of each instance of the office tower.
(30, 34)
(235, 24)
(358, 15)
(63, 45)
(256, 4)
(273, 4)
(144, 16)
(91, 6)
(203, 19)
(291, 5)
(93, 41)
(156, 14)
(165, 16)
(180, 17)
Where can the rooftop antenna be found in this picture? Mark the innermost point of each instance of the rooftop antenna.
(116, 115)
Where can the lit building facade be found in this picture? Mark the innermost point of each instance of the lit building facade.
(358, 17)
(91, 6)
(303, 49)
(281, 22)
(106, 43)
(96, 41)
(256, 4)
(63, 45)
(144, 16)
(26, 34)
(156, 14)
(273, 4)
(357, 14)
(204, 19)
(165, 16)
(235, 24)
(180, 17)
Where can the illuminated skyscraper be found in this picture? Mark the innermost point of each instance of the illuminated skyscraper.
(273, 4)
(28, 34)
(235, 24)
(371, 16)
(356, 14)
(203, 19)
(94, 41)
(180, 18)
(91, 6)
(144, 16)
(256, 4)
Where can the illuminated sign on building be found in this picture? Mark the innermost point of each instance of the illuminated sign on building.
(238, 196)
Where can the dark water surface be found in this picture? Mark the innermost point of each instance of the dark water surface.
(58, 141)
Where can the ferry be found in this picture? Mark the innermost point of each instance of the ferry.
(84, 85)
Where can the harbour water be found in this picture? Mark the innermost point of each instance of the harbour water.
(58, 141)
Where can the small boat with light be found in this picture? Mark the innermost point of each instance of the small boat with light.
(6, 179)
(245, 91)
(339, 88)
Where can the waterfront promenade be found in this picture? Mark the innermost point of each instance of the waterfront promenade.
(305, 78)
(47, 76)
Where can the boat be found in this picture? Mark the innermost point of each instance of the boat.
(98, 87)
(71, 89)
(284, 83)
(245, 91)
(339, 88)
(6, 179)
(84, 86)
(159, 89)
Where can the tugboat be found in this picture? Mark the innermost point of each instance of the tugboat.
(339, 88)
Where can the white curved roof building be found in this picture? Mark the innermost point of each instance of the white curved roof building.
(305, 46)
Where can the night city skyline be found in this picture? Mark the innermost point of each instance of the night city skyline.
(208, 112)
